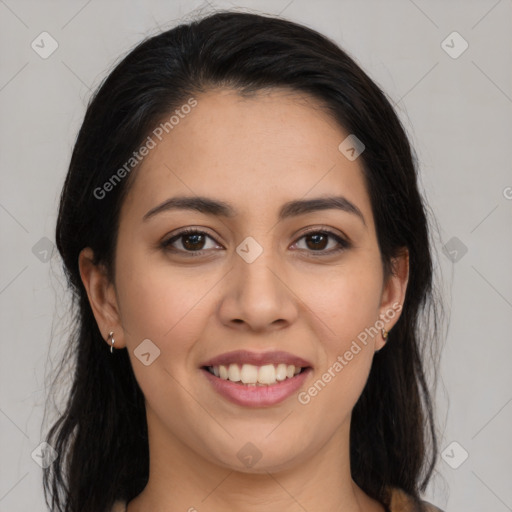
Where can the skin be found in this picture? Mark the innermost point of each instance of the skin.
(255, 153)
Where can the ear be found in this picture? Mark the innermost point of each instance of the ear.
(102, 297)
(393, 293)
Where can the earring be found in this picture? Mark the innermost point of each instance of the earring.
(384, 334)
(111, 337)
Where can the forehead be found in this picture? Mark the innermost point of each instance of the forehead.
(254, 151)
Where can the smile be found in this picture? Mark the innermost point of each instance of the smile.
(255, 375)
(254, 379)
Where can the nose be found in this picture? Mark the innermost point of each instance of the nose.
(257, 296)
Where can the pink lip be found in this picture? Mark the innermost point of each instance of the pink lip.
(256, 396)
(257, 359)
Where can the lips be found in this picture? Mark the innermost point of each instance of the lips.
(256, 379)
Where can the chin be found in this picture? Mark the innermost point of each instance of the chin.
(259, 454)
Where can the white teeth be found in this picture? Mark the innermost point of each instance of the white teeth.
(281, 372)
(267, 374)
(253, 375)
(223, 372)
(234, 373)
(249, 374)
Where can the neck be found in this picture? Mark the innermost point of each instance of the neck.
(182, 480)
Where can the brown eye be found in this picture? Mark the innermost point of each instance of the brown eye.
(318, 241)
(193, 241)
(189, 240)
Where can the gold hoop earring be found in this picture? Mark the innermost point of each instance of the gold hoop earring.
(384, 334)
(111, 337)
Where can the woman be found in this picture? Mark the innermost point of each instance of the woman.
(249, 255)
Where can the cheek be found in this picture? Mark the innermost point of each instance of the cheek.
(346, 309)
(169, 308)
(331, 396)
(164, 306)
(346, 301)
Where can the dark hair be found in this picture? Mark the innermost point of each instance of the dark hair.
(101, 437)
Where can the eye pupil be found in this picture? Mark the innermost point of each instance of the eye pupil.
(198, 239)
(317, 239)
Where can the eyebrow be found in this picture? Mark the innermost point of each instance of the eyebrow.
(218, 208)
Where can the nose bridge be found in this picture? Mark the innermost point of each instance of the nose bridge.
(256, 269)
(257, 265)
(256, 293)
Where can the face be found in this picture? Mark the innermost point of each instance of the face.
(269, 282)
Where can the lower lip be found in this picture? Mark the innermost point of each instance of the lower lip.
(257, 396)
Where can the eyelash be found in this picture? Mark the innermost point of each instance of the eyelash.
(343, 243)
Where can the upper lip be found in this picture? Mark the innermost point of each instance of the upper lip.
(256, 358)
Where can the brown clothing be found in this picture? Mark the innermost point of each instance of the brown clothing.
(398, 501)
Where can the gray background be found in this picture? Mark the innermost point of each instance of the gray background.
(457, 112)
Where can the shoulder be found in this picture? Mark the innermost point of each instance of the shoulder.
(400, 501)
(119, 506)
